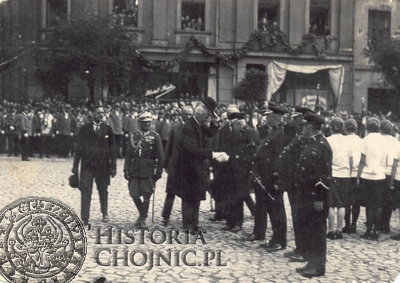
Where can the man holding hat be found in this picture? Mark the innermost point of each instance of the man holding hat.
(96, 152)
(143, 166)
(193, 154)
(312, 177)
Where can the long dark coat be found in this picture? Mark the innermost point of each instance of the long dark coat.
(222, 171)
(96, 150)
(172, 158)
(193, 154)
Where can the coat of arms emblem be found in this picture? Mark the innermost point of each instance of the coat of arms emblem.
(41, 240)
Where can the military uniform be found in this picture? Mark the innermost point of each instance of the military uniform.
(144, 162)
(313, 175)
(143, 167)
(286, 168)
(266, 167)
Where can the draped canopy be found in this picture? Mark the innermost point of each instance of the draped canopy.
(277, 73)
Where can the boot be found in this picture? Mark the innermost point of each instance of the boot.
(143, 215)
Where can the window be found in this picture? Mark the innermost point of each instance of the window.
(268, 14)
(125, 12)
(57, 11)
(320, 17)
(257, 67)
(378, 25)
(193, 15)
(193, 80)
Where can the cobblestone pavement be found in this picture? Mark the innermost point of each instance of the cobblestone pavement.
(349, 260)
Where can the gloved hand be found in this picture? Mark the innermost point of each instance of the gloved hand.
(126, 176)
(113, 172)
(74, 171)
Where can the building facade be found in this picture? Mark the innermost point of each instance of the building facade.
(161, 29)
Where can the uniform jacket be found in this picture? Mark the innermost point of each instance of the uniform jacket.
(96, 150)
(116, 122)
(266, 162)
(314, 166)
(192, 157)
(241, 149)
(145, 156)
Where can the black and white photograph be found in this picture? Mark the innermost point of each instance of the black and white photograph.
(199, 141)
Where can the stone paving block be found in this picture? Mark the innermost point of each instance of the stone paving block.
(349, 260)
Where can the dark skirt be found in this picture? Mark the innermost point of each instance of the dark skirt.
(371, 193)
(340, 192)
(354, 192)
(396, 195)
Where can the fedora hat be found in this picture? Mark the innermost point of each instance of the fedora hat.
(74, 181)
(211, 104)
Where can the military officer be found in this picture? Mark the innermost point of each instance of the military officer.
(313, 174)
(286, 169)
(266, 167)
(143, 166)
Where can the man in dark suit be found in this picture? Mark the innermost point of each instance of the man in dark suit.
(192, 157)
(96, 152)
(172, 164)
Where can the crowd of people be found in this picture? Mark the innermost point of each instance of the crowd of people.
(329, 164)
(189, 23)
(126, 16)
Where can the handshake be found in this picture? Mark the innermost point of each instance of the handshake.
(220, 156)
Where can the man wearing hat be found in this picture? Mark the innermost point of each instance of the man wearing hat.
(193, 154)
(241, 148)
(96, 153)
(222, 173)
(266, 167)
(143, 166)
(313, 173)
(286, 170)
(262, 127)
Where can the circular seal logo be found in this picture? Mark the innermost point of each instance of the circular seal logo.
(41, 240)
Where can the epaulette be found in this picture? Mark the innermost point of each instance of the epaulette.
(154, 132)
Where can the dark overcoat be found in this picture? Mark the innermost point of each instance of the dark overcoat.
(96, 150)
(172, 158)
(193, 155)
